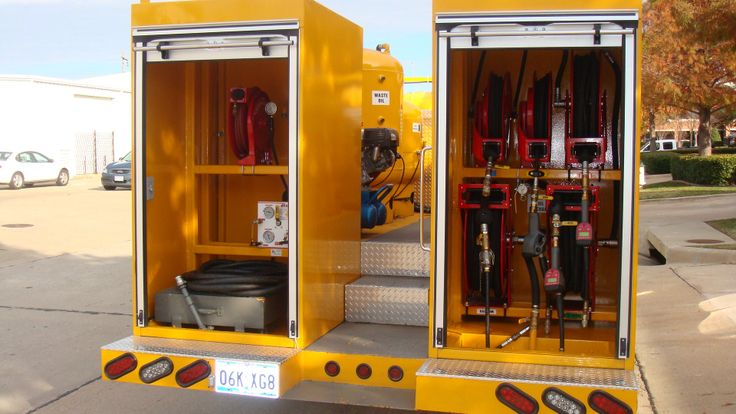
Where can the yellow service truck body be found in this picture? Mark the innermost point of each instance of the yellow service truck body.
(385, 318)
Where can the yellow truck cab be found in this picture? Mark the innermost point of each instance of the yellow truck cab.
(510, 289)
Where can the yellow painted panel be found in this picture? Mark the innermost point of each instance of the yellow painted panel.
(479, 396)
(236, 249)
(211, 11)
(313, 364)
(382, 73)
(242, 170)
(444, 6)
(329, 173)
(166, 222)
(532, 358)
(289, 371)
(158, 331)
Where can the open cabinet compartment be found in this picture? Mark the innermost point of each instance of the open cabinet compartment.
(472, 47)
(196, 201)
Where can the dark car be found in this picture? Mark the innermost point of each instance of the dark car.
(117, 174)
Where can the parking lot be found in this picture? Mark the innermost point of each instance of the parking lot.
(65, 261)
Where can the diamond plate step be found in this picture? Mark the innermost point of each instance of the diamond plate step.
(388, 300)
(530, 373)
(393, 258)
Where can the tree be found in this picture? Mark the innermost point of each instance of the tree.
(690, 59)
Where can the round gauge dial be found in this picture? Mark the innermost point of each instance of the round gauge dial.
(268, 236)
(268, 212)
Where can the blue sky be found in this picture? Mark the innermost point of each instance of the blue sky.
(77, 39)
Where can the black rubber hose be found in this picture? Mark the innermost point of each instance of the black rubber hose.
(541, 107)
(478, 74)
(585, 96)
(487, 278)
(561, 71)
(533, 279)
(238, 278)
(384, 178)
(585, 288)
(413, 174)
(495, 107)
(520, 80)
(401, 180)
(543, 264)
(272, 131)
(561, 318)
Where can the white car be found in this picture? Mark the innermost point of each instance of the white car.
(29, 167)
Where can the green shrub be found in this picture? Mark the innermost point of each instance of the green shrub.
(713, 170)
(658, 162)
(716, 150)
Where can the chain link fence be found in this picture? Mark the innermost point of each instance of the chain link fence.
(94, 150)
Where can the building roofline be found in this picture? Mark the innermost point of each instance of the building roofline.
(59, 82)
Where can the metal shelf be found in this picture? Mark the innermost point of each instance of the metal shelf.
(549, 174)
(241, 169)
(238, 249)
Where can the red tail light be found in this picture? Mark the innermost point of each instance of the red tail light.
(193, 373)
(120, 366)
(516, 399)
(605, 403)
(395, 373)
(561, 402)
(155, 370)
(364, 371)
(332, 369)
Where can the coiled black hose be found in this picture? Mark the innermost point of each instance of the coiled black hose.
(533, 279)
(250, 278)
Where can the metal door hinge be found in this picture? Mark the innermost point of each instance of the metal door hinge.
(140, 317)
(439, 339)
(292, 329)
(149, 188)
(623, 349)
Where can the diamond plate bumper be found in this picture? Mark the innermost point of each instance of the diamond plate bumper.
(200, 349)
(388, 300)
(530, 374)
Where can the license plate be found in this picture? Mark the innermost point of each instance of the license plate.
(255, 379)
(119, 179)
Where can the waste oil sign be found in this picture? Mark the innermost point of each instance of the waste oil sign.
(381, 98)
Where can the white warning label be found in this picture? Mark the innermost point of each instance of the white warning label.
(381, 98)
(416, 127)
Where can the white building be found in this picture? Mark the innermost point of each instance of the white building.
(86, 122)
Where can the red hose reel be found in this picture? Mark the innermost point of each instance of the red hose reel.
(500, 205)
(491, 126)
(535, 123)
(585, 112)
(248, 126)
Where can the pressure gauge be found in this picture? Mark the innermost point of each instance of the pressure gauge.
(271, 108)
(268, 212)
(268, 236)
(522, 189)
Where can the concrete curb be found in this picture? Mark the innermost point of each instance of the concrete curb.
(652, 200)
(675, 243)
